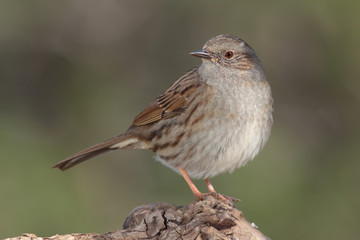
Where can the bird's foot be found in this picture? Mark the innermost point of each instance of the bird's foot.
(218, 196)
(225, 198)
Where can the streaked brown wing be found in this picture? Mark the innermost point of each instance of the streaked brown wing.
(172, 102)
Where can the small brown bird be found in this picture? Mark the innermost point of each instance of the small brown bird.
(212, 120)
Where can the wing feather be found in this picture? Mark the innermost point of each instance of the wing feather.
(172, 102)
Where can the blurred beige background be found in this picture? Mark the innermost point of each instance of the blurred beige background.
(73, 73)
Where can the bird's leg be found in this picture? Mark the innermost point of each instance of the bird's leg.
(209, 185)
(217, 195)
(198, 195)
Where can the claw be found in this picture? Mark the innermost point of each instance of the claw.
(228, 200)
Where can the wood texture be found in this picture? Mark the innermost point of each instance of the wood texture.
(207, 219)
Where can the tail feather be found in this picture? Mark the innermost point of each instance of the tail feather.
(109, 145)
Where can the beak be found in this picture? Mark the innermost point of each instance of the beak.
(202, 54)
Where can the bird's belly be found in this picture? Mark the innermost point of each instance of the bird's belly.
(221, 148)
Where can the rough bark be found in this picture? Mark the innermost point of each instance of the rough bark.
(206, 219)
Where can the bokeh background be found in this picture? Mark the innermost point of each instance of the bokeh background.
(73, 73)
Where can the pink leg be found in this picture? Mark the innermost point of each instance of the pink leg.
(200, 196)
(209, 185)
(219, 196)
(196, 192)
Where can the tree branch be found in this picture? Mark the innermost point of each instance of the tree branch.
(207, 219)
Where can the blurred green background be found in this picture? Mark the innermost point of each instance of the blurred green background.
(73, 73)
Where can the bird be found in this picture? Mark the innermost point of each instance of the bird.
(212, 120)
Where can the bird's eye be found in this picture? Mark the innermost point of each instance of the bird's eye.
(229, 54)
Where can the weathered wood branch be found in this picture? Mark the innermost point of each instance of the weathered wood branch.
(207, 219)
